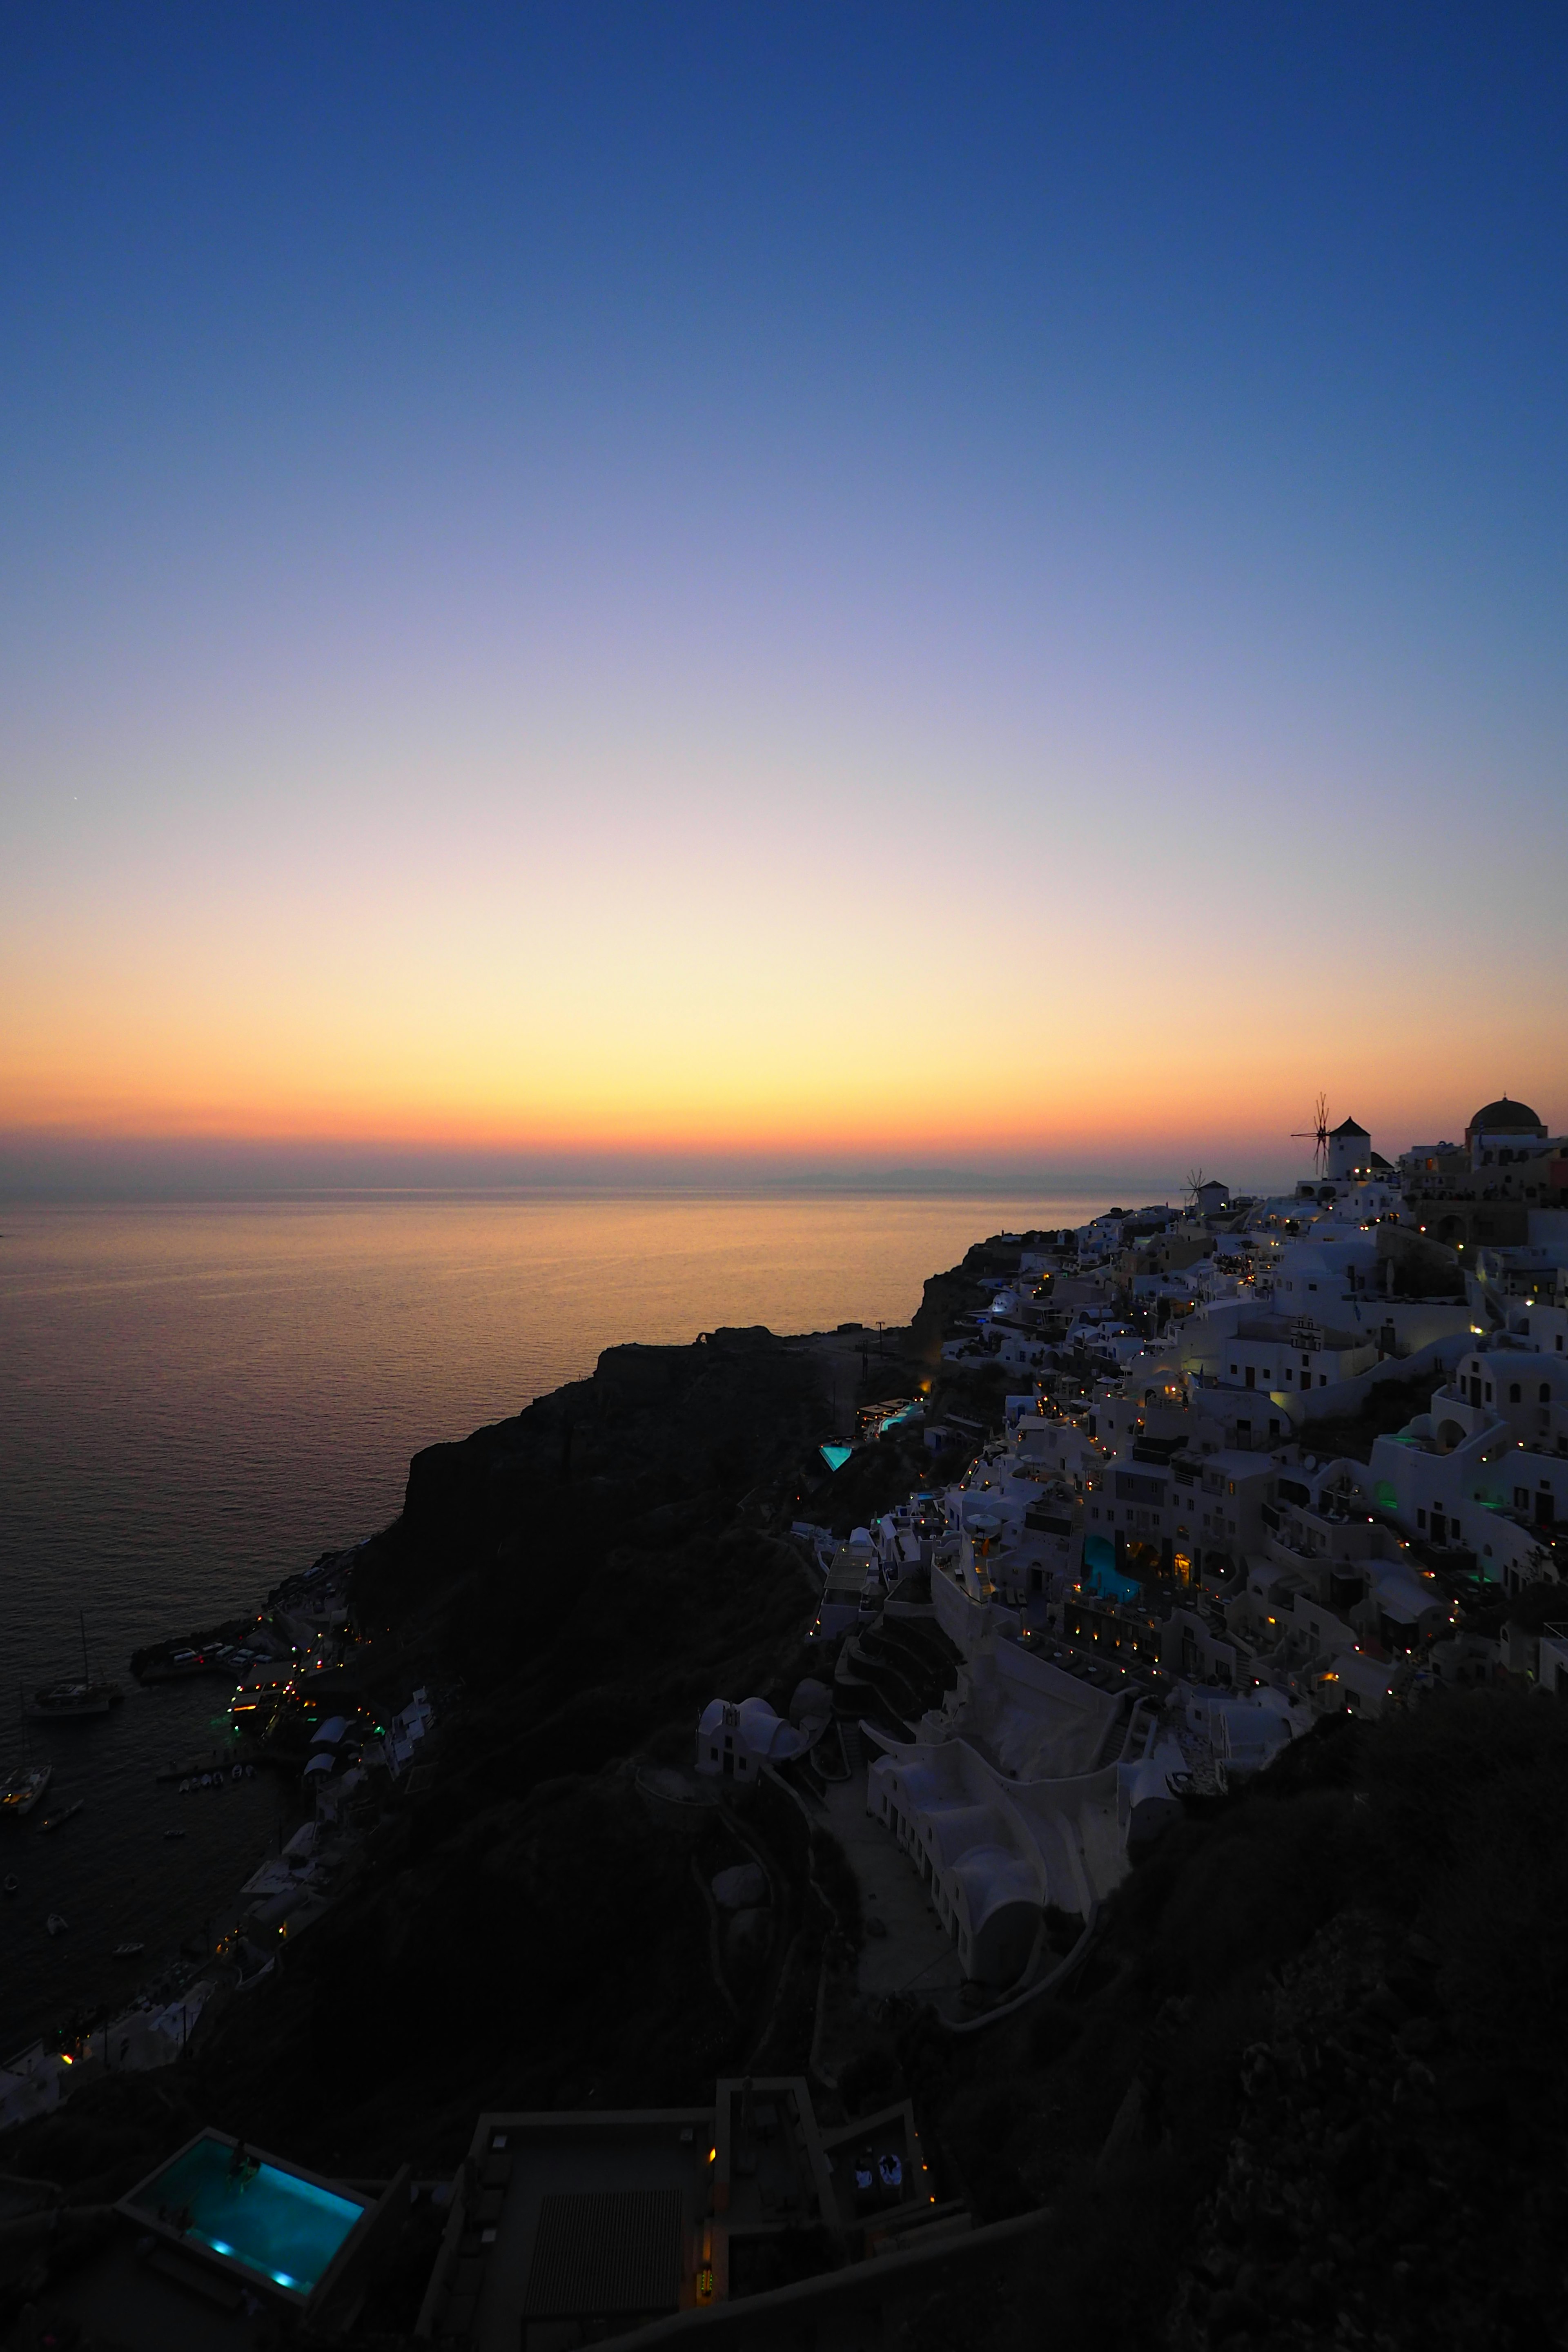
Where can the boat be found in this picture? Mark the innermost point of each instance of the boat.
(127, 1951)
(56, 1821)
(20, 1790)
(170, 1835)
(63, 1702)
(56, 1924)
(12, 1883)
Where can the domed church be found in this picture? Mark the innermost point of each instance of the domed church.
(1502, 1119)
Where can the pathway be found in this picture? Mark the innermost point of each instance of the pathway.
(917, 1954)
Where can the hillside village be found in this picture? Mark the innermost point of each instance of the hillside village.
(1146, 1514)
(1267, 1461)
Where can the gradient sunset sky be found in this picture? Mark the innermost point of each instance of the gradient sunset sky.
(761, 588)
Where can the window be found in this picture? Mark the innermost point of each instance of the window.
(1420, 1518)
(1514, 1393)
(1545, 1395)
(713, 1752)
(1521, 1498)
(1488, 1391)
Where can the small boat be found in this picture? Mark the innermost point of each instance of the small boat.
(127, 1951)
(60, 1702)
(56, 1924)
(12, 1883)
(20, 1790)
(57, 1820)
(170, 1835)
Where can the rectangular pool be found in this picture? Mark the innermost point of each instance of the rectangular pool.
(275, 2223)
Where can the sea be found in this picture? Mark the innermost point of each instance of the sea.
(197, 1400)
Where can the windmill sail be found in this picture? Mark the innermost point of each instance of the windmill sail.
(1316, 1135)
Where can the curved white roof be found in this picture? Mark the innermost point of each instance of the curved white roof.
(957, 1828)
(1402, 1597)
(762, 1731)
(767, 1734)
(992, 1877)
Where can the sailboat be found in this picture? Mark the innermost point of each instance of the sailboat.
(57, 1701)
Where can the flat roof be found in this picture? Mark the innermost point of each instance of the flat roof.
(577, 2216)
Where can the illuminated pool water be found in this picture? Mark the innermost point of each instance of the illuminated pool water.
(277, 2223)
(1104, 1577)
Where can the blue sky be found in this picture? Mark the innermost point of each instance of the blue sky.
(1057, 507)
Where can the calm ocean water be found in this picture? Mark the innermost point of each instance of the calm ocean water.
(197, 1400)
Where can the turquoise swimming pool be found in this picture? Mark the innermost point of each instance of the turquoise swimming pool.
(1104, 1578)
(279, 2224)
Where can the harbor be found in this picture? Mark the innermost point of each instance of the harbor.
(295, 1739)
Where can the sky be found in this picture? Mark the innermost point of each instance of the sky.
(765, 590)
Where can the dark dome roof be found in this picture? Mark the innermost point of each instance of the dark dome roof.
(1501, 1117)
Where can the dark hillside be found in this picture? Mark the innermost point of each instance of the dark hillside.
(528, 1934)
(1313, 2078)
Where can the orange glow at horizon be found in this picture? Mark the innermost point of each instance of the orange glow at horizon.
(611, 973)
(883, 1114)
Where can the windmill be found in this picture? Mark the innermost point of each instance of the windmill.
(1317, 1136)
(1194, 1184)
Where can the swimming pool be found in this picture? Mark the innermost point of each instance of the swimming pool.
(279, 2224)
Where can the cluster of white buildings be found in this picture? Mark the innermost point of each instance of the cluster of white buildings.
(1166, 1567)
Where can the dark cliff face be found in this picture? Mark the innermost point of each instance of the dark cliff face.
(684, 1432)
(584, 1578)
(948, 1296)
